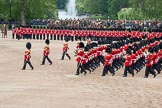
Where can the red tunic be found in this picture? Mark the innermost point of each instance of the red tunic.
(46, 51)
(108, 59)
(27, 56)
(128, 61)
(65, 48)
(149, 60)
(79, 56)
(133, 57)
(85, 59)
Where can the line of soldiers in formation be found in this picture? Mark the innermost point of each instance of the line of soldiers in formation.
(133, 54)
(54, 34)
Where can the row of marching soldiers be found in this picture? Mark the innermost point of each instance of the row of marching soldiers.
(53, 34)
(133, 54)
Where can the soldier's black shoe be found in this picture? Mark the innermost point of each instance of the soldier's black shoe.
(76, 74)
(158, 72)
(102, 75)
(22, 69)
(132, 75)
(145, 77)
(124, 76)
(113, 74)
(69, 58)
(50, 63)
(90, 71)
(32, 68)
(85, 73)
(154, 75)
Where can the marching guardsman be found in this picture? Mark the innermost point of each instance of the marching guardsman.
(77, 46)
(27, 57)
(79, 60)
(156, 66)
(128, 64)
(108, 62)
(134, 60)
(65, 49)
(149, 63)
(46, 52)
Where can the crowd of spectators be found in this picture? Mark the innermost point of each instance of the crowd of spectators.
(91, 24)
(88, 24)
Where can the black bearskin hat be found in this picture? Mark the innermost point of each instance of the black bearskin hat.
(129, 51)
(160, 45)
(150, 50)
(28, 45)
(155, 49)
(47, 42)
(99, 42)
(114, 45)
(144, 36)
(133, 50)
(86, 49)
(108, 49)
(81, 45)
(66, 39)
(130, 47)
(161, 38)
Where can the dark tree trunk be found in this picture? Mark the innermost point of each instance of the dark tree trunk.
(22, 12)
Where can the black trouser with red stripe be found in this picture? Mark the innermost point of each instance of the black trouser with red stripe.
(106, 69)
(81, 67)
(128, 69)
(63, 55)
(25, 63)
(149, 70)
(44, 59)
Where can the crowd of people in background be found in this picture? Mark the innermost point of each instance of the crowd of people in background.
(87, 24)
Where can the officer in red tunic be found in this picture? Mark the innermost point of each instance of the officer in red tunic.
(46, 52)
(149, 63)
(128, 64)
(27, 57)
(108, 62)
(65, 49)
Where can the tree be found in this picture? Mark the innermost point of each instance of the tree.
(150, 9)
(25, 10)
(129, 14)
(22, 12)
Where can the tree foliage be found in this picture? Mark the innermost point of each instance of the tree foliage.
(41, 9)
(147, 9)
(129, 14)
